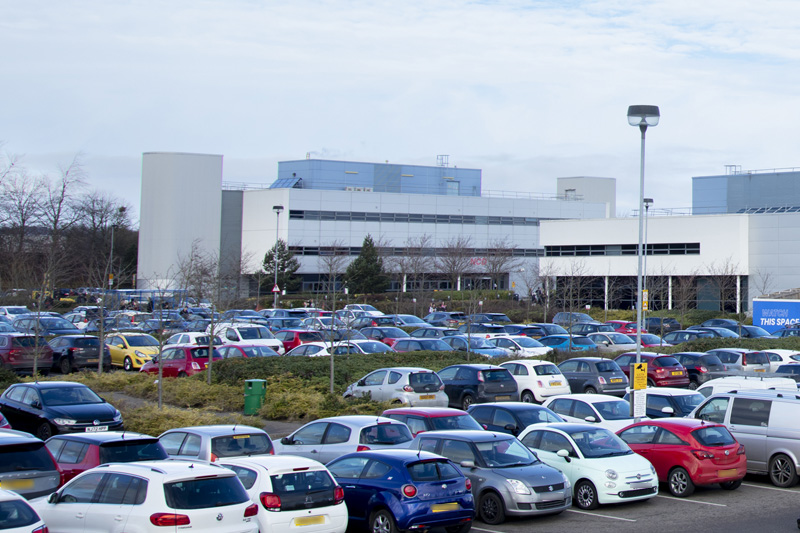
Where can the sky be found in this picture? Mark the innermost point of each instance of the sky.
(527, 91)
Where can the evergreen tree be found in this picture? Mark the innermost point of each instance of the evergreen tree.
(366, 274)
(287, 266)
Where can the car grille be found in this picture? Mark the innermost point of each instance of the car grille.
(549, 488)
(551, 505)
(637, 492)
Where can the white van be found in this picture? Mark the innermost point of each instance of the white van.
(767, 422)
(742, 383)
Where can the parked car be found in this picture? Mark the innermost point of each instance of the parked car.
(477, 345)
(476, 383)
(292, 338)
(408, 321)
(594, 374)
(326, 439)
(484, 330)
(20, 352)
(506, 478)
(26, 467)
(566, 319)
(138, 496)
(193, 337)
(719, 323)
(160, 327)
(749, 332)
(665, 402)
(662, 370)
(179, 361)
(687, 453)
(700, 366)
(601, 467)
(584, 328)
(742, 359)
(686, 335)
(652, 341)
(778, 357)
(18, 516)
(322, 323)
(77, 452)
(661, 325)
(131, 350)
(612, 342)
(785, 332)
(387, 335)
(550, 329)
(46, 326)
(746, 383)
(716, 331)
(46, 408)
(537, 380)
(511, 417)
(489, 318)
(520, 345)
(12, 311)
(625, 327)
(231, 351)
(216, 442)
(277, 324)
(433, 332)
(404, 490)
(248, 334)
(364, 307)
(412, 386)
(361, 346)
(420, 419)
(293, 493)
(446, 319)
(569, 343)
(602, 410)
(419, 345)
(72, 352)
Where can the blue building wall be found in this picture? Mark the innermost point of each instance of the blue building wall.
(747, 192)
(380, 177)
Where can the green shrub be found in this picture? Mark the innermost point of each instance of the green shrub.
(7, 377)
(152, 421)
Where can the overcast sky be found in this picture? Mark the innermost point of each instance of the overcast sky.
(528, 91)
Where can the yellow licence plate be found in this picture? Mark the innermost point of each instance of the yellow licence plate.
(555, 383)
(309, 520)
(677, 373)
(428, 397)
(760, 369)
(91, 360)
(502, 397)
(726, 473)
(444, 507)
(17, 484)
(615, 380)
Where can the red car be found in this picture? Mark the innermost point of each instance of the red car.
(662, 370)
(623, 326)
(18, 350)
(419, 419)
(4, 423)
(686, 452)
(180, 360)
(292, 338)
(386, 335)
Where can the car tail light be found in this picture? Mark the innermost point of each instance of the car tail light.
(539, 383)
(660, 370)
(251, 510)
(409, 491)
(744, 359)
(338, 495)
(480, 377)
(469, 484)
(408, 388)
(169, 519)
(270, 501)
(195, 366)
(601, 379)
(42, 529)
(214, 458)
(362, 448)
(441, 387)
(740, 451)
(700, 454)
(702, 369)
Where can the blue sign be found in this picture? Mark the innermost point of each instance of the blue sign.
(773, 315)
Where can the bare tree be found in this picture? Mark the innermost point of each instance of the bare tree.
(684, 293)
(763, 281)
(500, 260)
(455, 259)
(416, 263)
(723, 277)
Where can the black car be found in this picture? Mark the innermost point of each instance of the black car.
(748, 332)
(716, 331)
(511, 417)
(700, 366)
(71, 352)
(661, 325)
(720, 322)
(467, 384)
(46, 408)
(593, 375)
(26, 466)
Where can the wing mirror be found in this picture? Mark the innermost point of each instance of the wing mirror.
(36, 404)
(512, 428)
(286, 440)
(53, 498)
(668, 411)
(467, 464)
(360, 382)
(591, 419)
(565, 454)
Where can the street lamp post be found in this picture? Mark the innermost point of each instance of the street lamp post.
(647, 203)
(108, 283)
(278, 210)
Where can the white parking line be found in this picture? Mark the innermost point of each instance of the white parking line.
(768, 488)
(481, 529)
(600, 515)
(690, 501)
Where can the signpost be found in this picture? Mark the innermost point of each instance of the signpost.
(639, 396)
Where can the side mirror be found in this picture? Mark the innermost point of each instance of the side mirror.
(591, 419)
(467, 464)
(154, 359)
(511, 427)
(668, 411)
(286, 440)
(53, 498)
(36, 404)
(607, 343)
(360, 382)
(565, 454)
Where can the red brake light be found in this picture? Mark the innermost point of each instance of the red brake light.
(702, 369)
(195, 366)
(214, 458)
(362, 448)
(441, 387)
(740, 451)
(42, 529)
(469, 484)
(338, 495)
(251, 510)
(700, 454)
(270, 501)
(169, 519)
(480, 377)
(409, 491)
(408, 388)
(601, 379)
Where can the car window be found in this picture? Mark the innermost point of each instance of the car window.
(81, 490)
(483, 414)
(385, 434)
(749, 412)
(172, 442)
(448, 373)
(415, 424)
(714, 410)
(465, 374)
(613, 409)
(532, 439)
(246, 476)
(582, 410)
(132, 450)
(349, 468)
(337, 434)
(583, 367)
(376, 470)
(457, 451)
(311, 434)
(394, 377)
(639, 434)
(191, 446)
(561, 406)
(236, 445)
(667, 437)
(123, 489)
(503, 418)
(374, 379)
(657, 403)
(73, 452)
(428, 445)
(16, 515)
(545, 370)
(713, 436)
(205, 493)
(552, 442)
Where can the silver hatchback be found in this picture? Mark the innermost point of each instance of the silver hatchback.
(412, 386)
(212, 443)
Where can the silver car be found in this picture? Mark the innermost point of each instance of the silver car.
(212, 443)
(412, 386)
(328, 438)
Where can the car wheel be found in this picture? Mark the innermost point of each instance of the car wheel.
(651, 383)
(693, 384)
(382, 522)
(127, 364)
(586, 495)
(589, 390)
(462, 528)
(731, 485)
(491, 509)
(44, 431)
(679, 482)
(528, 397)
(782, 472)
(65, 365)
(182, 374)
(466, 401)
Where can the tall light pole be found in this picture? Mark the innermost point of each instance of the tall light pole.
(641, 116)
(647, 203)
(278, 210)
(108, 284)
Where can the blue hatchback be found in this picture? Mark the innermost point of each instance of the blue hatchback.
(569, 343)
(391, 490)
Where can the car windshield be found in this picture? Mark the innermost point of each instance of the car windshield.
(538, 415)
(203, 339)
(505, 453)
(69, 396)
(608, 366)
(373, 347)
(238, 445)
(547, 370)
(454, 422)
(202, 353)
(27, 456)
(205, 493)
(614, 409)
(620, 338)
(710, 360)
(140, 341)
(385, 433)
(649, 338)
(722, 332)
(258, 332)
(599, 442)
(131, 451)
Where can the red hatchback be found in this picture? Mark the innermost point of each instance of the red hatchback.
(686, 452)
(623, 326)
(292, 338)
(180, 360)
(18, 351)
(662, 370)
(419, 419)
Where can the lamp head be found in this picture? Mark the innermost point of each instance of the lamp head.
(647, 202)
(643, 115)
(278, 209)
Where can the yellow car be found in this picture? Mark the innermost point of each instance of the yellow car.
(131, 350)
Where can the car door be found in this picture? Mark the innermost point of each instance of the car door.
(640, 439)
(119, 494)
(68, 514)
(335, 443)
(172, 359)
(749, 421)
(570, 371)
(12, 407)
(549, 445)
(347, 473)
(306, 441)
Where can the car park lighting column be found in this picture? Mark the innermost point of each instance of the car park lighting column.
(642, 116)
(278, 210)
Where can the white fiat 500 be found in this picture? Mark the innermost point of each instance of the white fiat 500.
(601, 467)
(537, 380)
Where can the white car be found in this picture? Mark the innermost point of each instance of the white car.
(520, 345)
(412, 386)
(293, 493)
(79, 320)
(246, 333)
(664, 402)
(312, 349)
(192, 337)
(602, 410)
(537, 380)
(364, 307)
(778, 357)
(17, 516)
(601, 467)
(151, 496)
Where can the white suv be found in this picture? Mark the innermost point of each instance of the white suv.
(151, 496)
(245, 333)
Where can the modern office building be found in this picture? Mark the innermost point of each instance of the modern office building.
(749, 191)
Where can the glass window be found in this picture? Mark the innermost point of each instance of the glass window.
(428, 445)
(374, 379)
(416, 424)
(639, 434)
(532, 439)
(131, 450)
(614, 409)
(349, 468)
(713, 436)
(748, 412)
(714, 410)
(668, 437)
(81, 490)
(311, 434)
(561, 406)
(376, 470)
(236, 445)
(394, 377)
(448, 373)
(385, 434)
(545, 370)
(54, 445)
(205, 493)
(73, 452)
(503, 418)
(123, 489)
(191, 446)
(246, 476)
(304, 490)
(552, 442)
(457, 451)
(657, 403)
(16, 514)
(337, 434)
(172, 442)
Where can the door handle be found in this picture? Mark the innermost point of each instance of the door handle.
(314, 451)
(119, 518)
(79, 515)
(349, 486)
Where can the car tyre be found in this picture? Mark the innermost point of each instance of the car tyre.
(528, 397)
(586, 495)
(382, 521)
(462, 528)
(466, 401)
(44, 431)
(127, 364)
(731, 485)
(182, 374)
(782, 472)
(651, 383)
(590, 390)
(679, 483)
(693, 384)
(491, 509)
(65, 365)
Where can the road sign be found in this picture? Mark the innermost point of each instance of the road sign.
(645, 301)
(639, 373)
(276, 288)
(639, 403)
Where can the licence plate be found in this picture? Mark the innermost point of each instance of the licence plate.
(555, 383)
(427, 397)
(677, 373)
(309, 520)
(502, 397)
(17, 484)
(444, 507)
(726, 473)
(95, 429)
(615, 380)
(91, 360)
(760, 369)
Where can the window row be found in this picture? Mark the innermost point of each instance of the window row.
(477, 253)
(680, 248)
(413, 218)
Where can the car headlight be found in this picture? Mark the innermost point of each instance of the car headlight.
(567, 484)
(518, 486)
(64, 422)
(117, 417)
(611, 474)
(653, 469)
(140, 355)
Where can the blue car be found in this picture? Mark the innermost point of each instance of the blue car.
(398, 490)
(575, 343)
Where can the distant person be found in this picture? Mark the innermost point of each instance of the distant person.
(431, 309)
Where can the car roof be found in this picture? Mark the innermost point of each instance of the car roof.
(276, 464)
(12, 436)
(218, 430)
(401, 455)
(670, 391)
(477, 366)
(567, 427)
(102, 437)
(588, 359)
(511, 406)
(590, 398)
(428, 412)
(529, 362)
(405, 368)
(169, 469)
(52, 384)
(359, 420)
(474, 435)
(686, 424)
